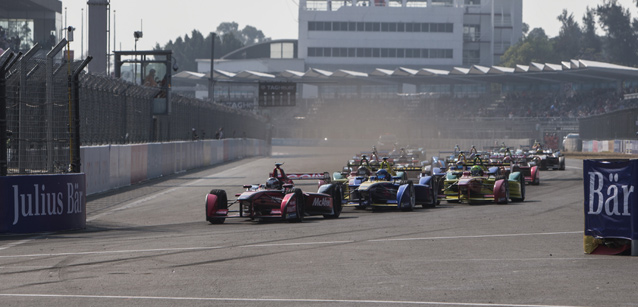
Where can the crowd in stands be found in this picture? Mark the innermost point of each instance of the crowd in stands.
(538, 105)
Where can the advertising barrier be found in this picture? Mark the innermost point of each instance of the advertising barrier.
(610, 202)
(39, 203)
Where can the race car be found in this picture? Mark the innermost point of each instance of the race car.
(384, 191)
(549, 160)
(277, 199)
(482, 185)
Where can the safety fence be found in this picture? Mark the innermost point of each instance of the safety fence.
(49, 107)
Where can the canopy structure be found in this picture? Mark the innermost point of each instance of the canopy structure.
(582, 71)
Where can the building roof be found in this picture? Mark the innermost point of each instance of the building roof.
(568, 71)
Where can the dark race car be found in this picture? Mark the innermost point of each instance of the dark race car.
(278, 199)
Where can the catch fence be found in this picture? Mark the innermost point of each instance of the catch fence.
(49, 107)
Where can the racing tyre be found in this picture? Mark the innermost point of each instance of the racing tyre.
(298, 196)
(411, 197)
(537, 180)
(522, 180)
(336, 203)
(505, 199)
(222, 203)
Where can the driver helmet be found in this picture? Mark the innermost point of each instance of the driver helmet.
(273, 183)
(476, 171)
(363, 171)
(383, 174)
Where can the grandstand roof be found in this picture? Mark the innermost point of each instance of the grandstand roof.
(567, 71)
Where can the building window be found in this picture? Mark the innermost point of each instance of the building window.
(441, 53)
(471, 57)
(472, 2)
(471, 33)
(400, 27)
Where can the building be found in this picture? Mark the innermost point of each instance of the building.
(368, 34)
(24, 23)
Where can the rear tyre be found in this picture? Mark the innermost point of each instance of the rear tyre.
(222, 203)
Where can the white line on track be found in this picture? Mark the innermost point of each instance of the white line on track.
(282, 244)
(156, 195)
(478, 236)
(262, 300)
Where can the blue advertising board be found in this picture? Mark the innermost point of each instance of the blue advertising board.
(610, 198)
(40, 203)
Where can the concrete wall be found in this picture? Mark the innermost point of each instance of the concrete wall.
(115, 166)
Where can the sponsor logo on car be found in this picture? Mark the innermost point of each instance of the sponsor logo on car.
(321, 202)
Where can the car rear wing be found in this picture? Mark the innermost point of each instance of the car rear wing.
(325, 176)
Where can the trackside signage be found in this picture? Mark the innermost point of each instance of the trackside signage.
(42, 203)
(611, 199)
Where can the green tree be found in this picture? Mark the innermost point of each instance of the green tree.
(195, 46)
(535, 47)
(568, 42)
(621, 39)
(591, 44)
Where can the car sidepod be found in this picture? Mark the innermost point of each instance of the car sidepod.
(517, 187)
(334, 193)
(426, 192)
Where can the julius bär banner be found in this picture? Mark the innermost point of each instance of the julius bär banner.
(39, 203)
(610, 199)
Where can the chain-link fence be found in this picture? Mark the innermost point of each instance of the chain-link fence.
(45, 108)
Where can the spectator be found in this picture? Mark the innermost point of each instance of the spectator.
(150, 78)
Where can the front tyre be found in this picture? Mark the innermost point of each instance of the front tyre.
(337, 206)
(298, 198)
(221, 203)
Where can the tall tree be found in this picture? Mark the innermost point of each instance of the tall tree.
(535, 47)
(591, 45)
(622, 41)
(568, 42)
(195, 46)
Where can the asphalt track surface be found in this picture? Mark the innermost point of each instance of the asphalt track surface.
(149, 245)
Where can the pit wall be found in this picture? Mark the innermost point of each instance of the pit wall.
(115, 166)
(620, 146)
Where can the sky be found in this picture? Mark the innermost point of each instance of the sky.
(165, 20)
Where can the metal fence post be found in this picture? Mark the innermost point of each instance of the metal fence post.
(49, 102)
(76, 161)
(3, 116)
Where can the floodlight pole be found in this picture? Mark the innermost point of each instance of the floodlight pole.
(211, 80)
